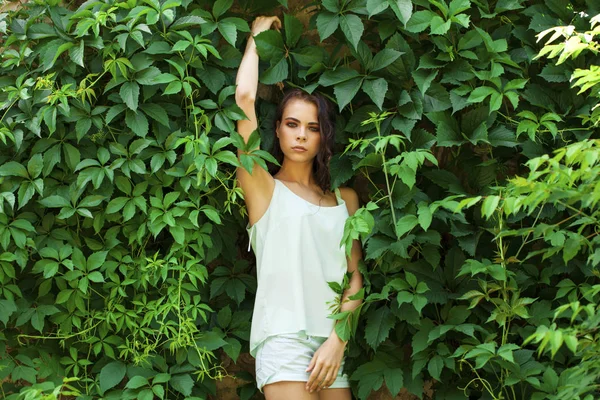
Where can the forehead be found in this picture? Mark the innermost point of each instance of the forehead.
(301, 110)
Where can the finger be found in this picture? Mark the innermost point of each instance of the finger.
(327, 381)
(322, 374)
(334, 375)
(277, 23)
(312, 379)
(311, 365)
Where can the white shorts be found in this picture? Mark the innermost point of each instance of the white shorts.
(285, 357)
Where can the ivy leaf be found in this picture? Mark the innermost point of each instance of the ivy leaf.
(13, 168)
(183, 383)
(111, 375)
(435, 366)
(269, 45)
(276, 73)
(403, 10)
(331, 5)
(186, 22)
(293, 30)
(345, 91)
(76, 53)
(376, 89)
(7, 308)
(384, 58)
(137, 122)
(327, 23)
(439, 26)
(229, 31)
(130, 93)
(420, 21)
(394, 380)
(379, 324)
(375, 7)
(352, 27)
(479, 94)
(156, 112)
(425, 216)
(220, 7)
(406, 224)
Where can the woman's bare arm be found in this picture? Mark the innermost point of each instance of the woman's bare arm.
(326, 362)
(258, 186)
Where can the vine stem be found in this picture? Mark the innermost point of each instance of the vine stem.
(60, 337)
(387, 180)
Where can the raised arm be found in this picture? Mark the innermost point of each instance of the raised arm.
(258, 187)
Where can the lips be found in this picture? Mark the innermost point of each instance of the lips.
(299, 148)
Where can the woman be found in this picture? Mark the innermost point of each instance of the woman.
(295, 226)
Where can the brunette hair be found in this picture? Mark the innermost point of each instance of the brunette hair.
(326, 130)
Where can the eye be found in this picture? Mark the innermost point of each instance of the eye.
(291, 124)
(314, 128)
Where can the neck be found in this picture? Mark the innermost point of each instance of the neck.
(297, 172)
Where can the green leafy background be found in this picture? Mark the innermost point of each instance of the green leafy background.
(123, 263)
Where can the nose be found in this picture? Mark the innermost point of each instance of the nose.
(301, 134)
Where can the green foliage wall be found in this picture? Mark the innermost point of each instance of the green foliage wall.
(123, 263)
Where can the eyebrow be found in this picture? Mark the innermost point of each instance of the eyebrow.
(297, 120)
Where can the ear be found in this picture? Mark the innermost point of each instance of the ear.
(277, 128)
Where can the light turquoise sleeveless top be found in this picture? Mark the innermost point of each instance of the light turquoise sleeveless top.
(297, 248)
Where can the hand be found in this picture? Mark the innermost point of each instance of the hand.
(262, 24)
(325, 364)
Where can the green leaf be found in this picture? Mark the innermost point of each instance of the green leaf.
(489, 206)
(183, 383)
(276, 73)
(137, 382)
(96, 276)
(55, 201)
(403, 10)
(156, 112)
(479, 94)
(23, 372)
(186, 22)
(331, 5)
(269, 45)
(384, 58)
(229, 31)
(376, 89)
(352, 27)
(220, 7)
(327, 24)
(333, 77)
(406, 224)
(137, 122)
(345, 91)
(425, 216)
(420, 21)
(379, 324)
(130, 93)
(375, 7)
(435, 366)
(13, 168)
(439, 26)
(394, 380)
(111, 375)
(76, 53)
(293, 30)
(7, 308)
(555, 73)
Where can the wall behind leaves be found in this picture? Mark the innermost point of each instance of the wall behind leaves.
(123, 267)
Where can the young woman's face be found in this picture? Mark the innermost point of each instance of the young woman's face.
(298, 131)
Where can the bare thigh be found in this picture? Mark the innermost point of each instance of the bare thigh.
(335, 394)
(287, 390)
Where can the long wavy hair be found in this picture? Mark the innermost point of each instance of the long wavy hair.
(326, 130)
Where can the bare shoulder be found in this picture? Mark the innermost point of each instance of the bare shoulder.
(351, 198)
